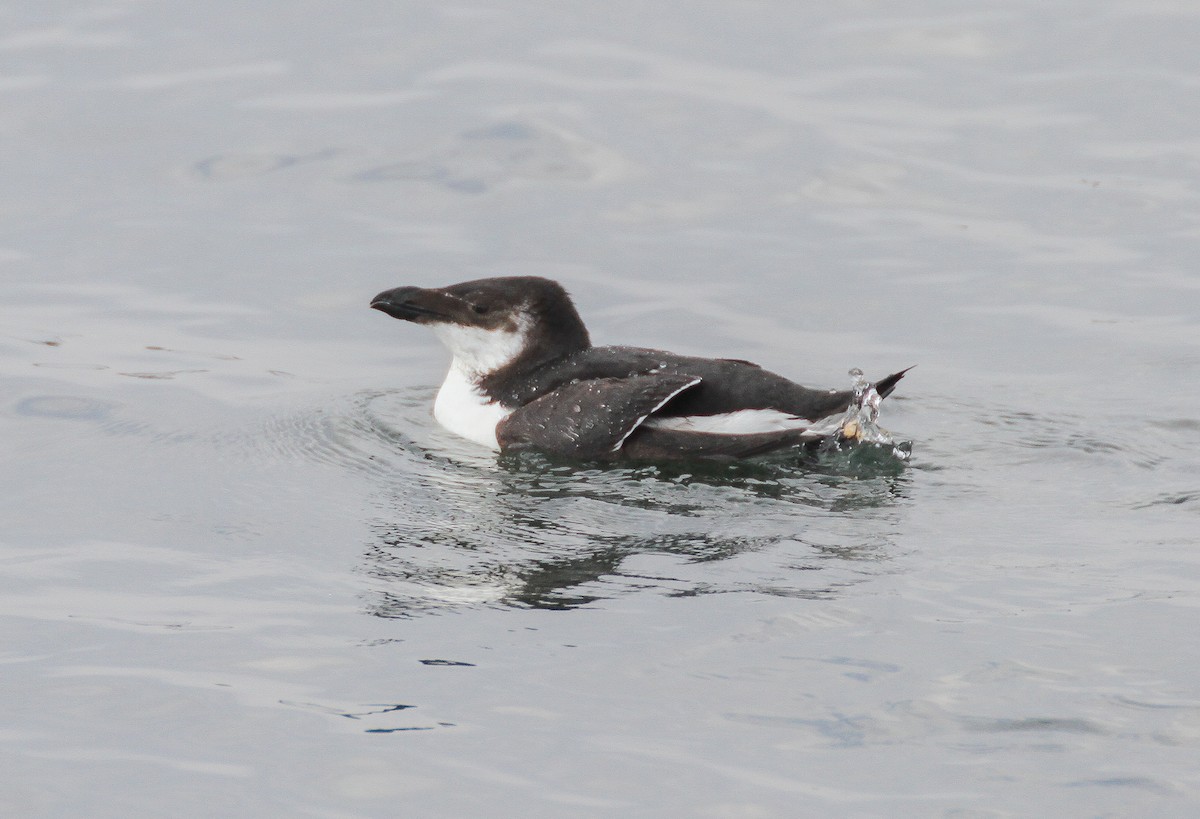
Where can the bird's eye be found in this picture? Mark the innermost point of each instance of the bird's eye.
(479, 308)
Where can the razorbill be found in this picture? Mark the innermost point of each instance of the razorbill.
(525, 376)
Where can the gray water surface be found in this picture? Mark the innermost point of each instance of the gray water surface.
(244, 573)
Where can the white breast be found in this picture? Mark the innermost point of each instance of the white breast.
(741, 422)
(464, 410)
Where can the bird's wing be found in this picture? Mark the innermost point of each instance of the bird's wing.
(592, 418)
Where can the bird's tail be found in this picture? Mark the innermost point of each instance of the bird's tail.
(884, 386)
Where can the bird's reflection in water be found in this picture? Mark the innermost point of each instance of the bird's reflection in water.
(528, 532)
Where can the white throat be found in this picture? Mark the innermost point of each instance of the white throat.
(478, 351)
(461, 406)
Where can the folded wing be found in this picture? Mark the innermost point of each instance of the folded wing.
(592, 418)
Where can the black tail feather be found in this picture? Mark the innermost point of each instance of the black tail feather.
(884, 386)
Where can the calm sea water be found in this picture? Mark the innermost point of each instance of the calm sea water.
(244, 573)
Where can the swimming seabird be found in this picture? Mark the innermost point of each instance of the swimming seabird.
(525, 376)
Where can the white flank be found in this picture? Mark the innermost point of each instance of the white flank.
(464, 410)
(741, 422)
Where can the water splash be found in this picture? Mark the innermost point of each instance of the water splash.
(859, 425)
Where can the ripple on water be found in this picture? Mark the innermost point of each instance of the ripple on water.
(456, 525)
(65, 408)
(481, 159)
(1135, 462)
(222, 167)
(1181, 500)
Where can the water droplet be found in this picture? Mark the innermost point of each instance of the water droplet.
(860, 420)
